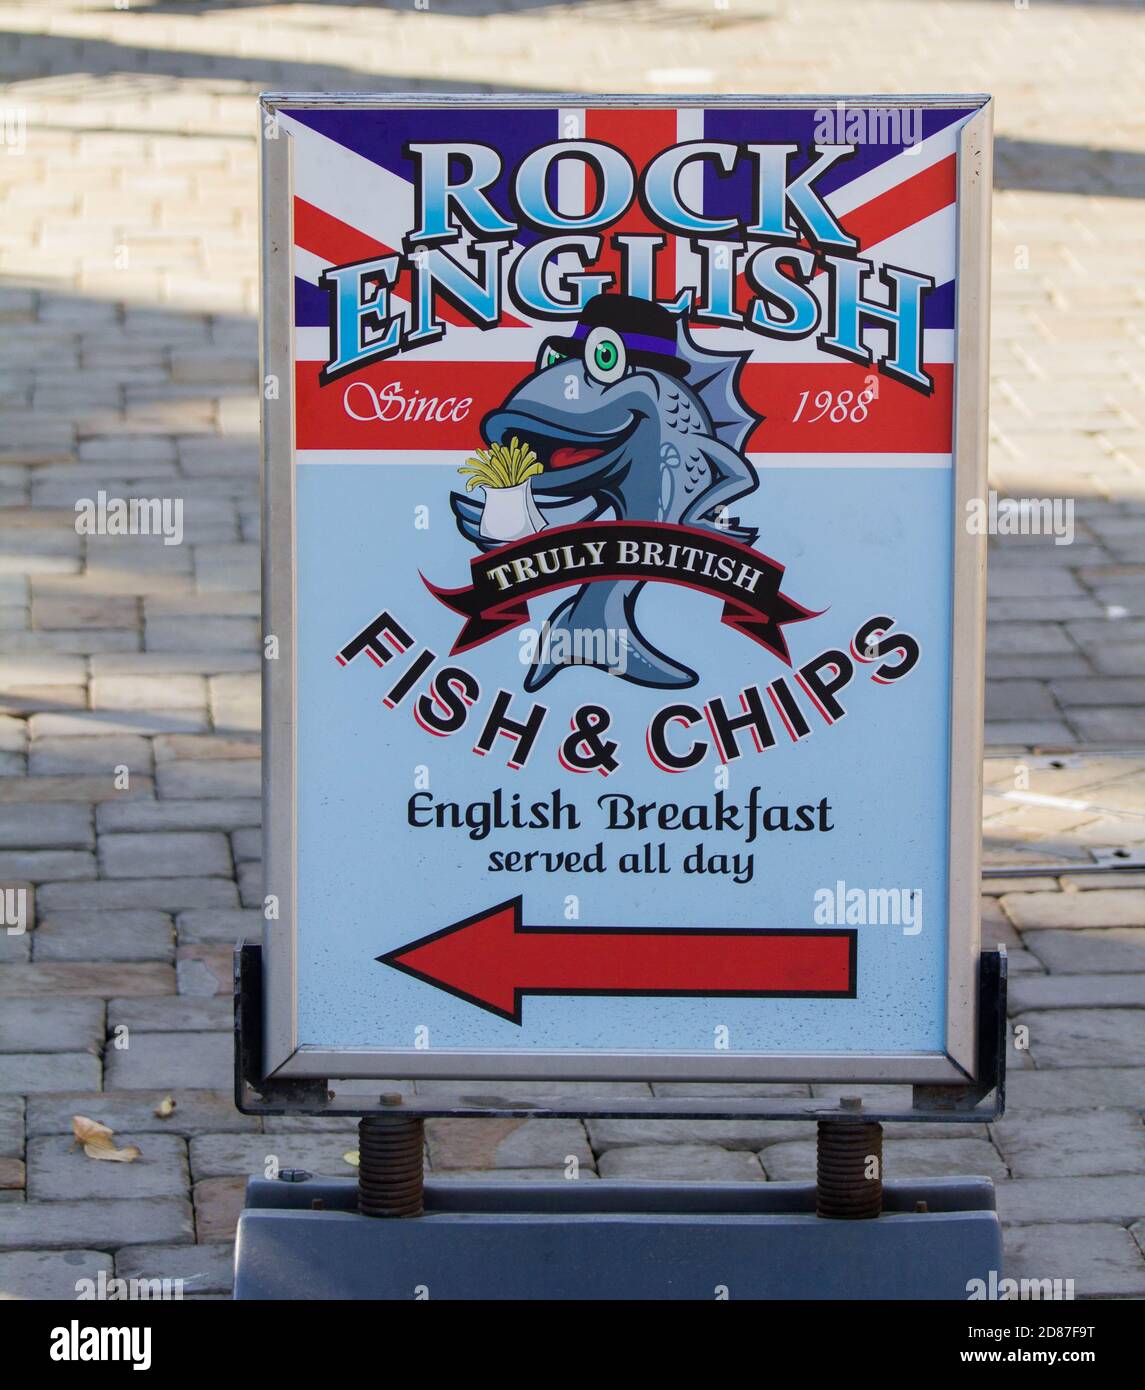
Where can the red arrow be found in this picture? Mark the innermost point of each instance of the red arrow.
(491, 960)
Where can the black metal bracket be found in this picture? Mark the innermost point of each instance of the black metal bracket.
(974, 1102)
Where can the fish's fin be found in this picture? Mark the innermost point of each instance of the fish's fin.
(715, 378)
(729, 477)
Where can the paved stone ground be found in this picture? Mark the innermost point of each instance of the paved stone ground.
(129, 675)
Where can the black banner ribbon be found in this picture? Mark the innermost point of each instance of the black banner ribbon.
(505, 579)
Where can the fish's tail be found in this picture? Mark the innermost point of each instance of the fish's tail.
(596, 627)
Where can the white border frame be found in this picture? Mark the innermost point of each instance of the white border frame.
(284, 1056)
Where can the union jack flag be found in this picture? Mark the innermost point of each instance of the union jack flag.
(354, 199)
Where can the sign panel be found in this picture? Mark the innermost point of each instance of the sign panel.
(625, 717)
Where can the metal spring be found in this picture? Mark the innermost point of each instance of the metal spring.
(843, 1154)
(391, 1170)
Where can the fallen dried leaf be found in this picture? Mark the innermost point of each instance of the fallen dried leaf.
(97, 1141)
(165, 1108)
(351, 1157)
(85, 1129)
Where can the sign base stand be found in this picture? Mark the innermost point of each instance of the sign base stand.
(304, 1238)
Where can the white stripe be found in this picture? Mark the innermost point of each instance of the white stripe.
(459, 345)
(926, 247)
(308, 266)
(350, 187)
(938, 345)
(572, 174)
(439, 457)
(690, 126)
(463, 345)
(768, 462)
(892, 172)
(368, 198)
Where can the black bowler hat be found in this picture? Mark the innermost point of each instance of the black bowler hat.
(648, 331)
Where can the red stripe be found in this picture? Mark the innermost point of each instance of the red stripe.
(642, 134)
(900, 207)
(899, 420)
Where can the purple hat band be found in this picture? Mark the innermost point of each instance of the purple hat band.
(638, 342)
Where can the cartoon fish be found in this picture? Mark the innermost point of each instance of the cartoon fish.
(632, 421)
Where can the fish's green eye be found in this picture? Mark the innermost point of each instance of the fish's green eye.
(604, 355)
(548, 356)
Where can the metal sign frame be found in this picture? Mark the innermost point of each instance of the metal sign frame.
(283, 1054)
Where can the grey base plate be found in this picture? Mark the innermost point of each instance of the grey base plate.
(613, 1241)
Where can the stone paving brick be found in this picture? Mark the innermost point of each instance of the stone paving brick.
(133, 1112)
(205, 970)
(89, 753)
(218, 928)
(103, 1223)
(55, 826)
(175, 663)
(218, 1202)
(171, 747)
(49, 1274)
(680, 1163)
(13, 1176)
(45, 866)
(236, 702)
(210, 778)
(505, 1175)
(753, 1135)
(1077, 992)
(1033, 1201)
(506, 1143)
(59, 1170)
(166, 894)
(1101, 1258)
(1036, 1145)
(1110, 725)
(251, 884)
(105, 936)
(1089, 951)
(11, 1126)
(51, 1025)
(178, 1013)
(1074, 1087)
(178, 815)
(90, 611)
(26, 1072)
(28, 672)
(1086, 1037)
(246, 846)
(191, 634)
(121, 723)
(1100, 908)
(195, 1061)
(38, 790)
(200, 1268)
(170, 854)
(241, 1155)
(102, 980)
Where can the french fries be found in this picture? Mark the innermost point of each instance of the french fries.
(501, 465)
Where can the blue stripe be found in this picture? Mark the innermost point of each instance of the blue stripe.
(730, 196)
(380, 135)
(938, 307)
(311, 305)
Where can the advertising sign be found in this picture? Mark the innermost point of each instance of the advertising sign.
(623, 707)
